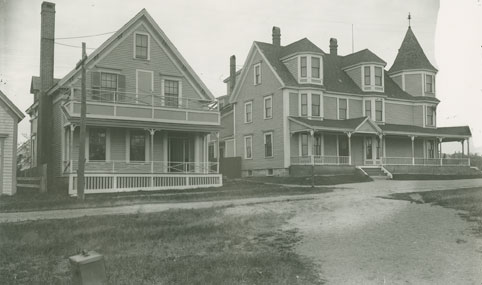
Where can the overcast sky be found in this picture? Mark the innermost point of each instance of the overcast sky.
(208, 32)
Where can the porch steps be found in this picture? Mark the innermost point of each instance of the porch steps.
(375, 172)
(28, 183)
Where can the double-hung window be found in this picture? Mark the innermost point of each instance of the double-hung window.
(268, 145)
(430, 116)
(315, 105)
(137, 146)
(342, 109)
(142, 46)
(304, 104)
(378, 76)
(268, 107)
(257, 74)
(248, 112)
(304, 144)
(97, 144)
(108, 86)
(379, 111)
(429, 83)
(303, 66)
(368, 109)
(171, 92)
(367, 75)
(315, 67)
(248, 147)
(430, 149)
(317, 146)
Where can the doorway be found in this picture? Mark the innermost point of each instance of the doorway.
(372, 150)
(181, 154)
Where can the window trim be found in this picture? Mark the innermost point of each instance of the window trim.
(375, 76)
(255, 67)
(270, 97)
(163, 84)
(434, 115)
(319, 106)
(128, 146)
(245, 114)
(432, 83)
(107, 143)
(309, 69)
(338, 108)
(272, 144)
(300, 144)
(307, 105)
(148, 46)
(250, 145)
(372, 86)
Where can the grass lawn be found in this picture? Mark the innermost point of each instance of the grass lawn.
(230, 190)
(433, 177)
(469, 200)
(319, 180)
(202, 246)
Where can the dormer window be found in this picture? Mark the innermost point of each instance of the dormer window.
(372, 78)
(310, 69)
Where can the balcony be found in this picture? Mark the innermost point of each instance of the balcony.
(142, 107)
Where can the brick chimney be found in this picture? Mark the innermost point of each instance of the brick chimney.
(47, 36)
(232, 73)
(333, 46)
(276, 36)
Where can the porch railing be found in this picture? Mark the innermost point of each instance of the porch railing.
(122, 166)
(425, 161)
(320, 160)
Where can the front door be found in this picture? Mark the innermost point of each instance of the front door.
(181, 155)
(372, 150)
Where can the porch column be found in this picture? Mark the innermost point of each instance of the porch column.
(349, 147)
(312, 134)
(197, 153)
(165, 152)
(71, 147)
(217, 156)
(462, 143)
(413, 149)
(381, 148)
(152, 132)
(440, 146)
(468, 150)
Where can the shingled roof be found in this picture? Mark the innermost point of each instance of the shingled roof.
(334, 78)
(411, 55)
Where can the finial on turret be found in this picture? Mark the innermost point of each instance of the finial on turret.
(409, 18)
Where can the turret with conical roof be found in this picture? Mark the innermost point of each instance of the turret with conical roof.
(412, 70)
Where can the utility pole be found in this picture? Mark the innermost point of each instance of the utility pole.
(83, 111)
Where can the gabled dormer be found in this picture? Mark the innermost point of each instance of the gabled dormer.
(304, 60)
(412, 70)
(366, 69)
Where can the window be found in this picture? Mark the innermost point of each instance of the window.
(430, 149)
(97, 144)
(257, 74)
(304, 144)
(343, 146)
(317, 146)
(369, 148)
(429, 80)
(137, 146)
(342, 109)
(268, 145)
(248, 147)
(142, 46)
(270, 172)
(248, 112)
(211, 154)
(304, 104)
(315, 67)
(378, 76)
(268, 107)
(430, 116)
(315, 105)
(378, 111)
(368, 109)
(171, 92)
(106, 91)
(368, 79)
(303, 66)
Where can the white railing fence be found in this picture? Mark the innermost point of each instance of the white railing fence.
(110, 183)
(320, 160)
(344, 160)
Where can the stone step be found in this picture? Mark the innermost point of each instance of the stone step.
(28, 186)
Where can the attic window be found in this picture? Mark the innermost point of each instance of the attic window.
(310, 69)
(141, 46)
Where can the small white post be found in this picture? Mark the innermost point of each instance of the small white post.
(468, 150)
(441, 155)
(349, 147)
(413, 150)
(217, 149)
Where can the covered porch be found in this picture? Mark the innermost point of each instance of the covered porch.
(361, 142)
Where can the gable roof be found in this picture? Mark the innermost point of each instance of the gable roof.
(11, 106)
(361, 56)
(119, 35)
(350, 125)
(411, 55)
(35, 83)
(303, 45)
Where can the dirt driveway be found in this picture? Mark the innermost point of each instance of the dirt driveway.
(356, 237)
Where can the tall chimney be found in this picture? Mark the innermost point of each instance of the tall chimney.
(333, 46)
(47, 36)
(232, 73)
(276, 36)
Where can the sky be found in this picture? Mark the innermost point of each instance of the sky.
(208, 32)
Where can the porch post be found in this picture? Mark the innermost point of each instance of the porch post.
(349, 147)
(312, 134)
(468, 150)
(217, 149)
(413, 150)
(71, 147)
(462, 143)
(152, 133)
(381, 148)
(440, 146)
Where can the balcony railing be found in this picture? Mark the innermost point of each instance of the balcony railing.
(320, 160)
(118, 166)
(144, 106)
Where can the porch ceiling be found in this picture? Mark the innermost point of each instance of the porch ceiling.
(447, 133)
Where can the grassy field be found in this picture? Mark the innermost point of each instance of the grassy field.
(468, 200)
(205, 246)
(230, 190)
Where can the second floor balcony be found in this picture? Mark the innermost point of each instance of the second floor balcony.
(151, 107)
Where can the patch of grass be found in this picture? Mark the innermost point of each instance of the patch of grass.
(433, 177)
(319, 180)
(230, 190)
(203, 246)
(469, 200)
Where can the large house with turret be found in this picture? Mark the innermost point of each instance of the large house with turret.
(296, 106)
(148, 118)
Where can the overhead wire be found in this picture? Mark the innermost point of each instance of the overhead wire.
(86, 36)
